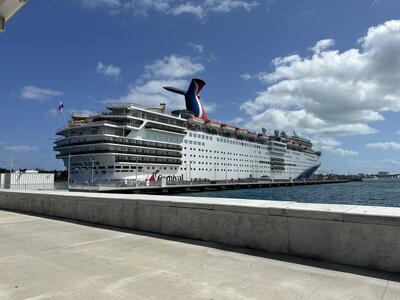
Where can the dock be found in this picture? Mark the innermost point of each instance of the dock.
(194, 186)
(47, 258)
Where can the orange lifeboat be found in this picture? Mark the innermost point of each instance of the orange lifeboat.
(211, 125)
(241, 132)
(252, 136)
(228, 128)
(194, 121)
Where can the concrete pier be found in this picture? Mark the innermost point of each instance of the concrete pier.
(352, 235)
(43, 258)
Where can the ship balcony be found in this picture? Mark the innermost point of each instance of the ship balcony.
(105, 150)
(79, 141)
(274, 164)
(129, 124)
(164, 127)
(148, 160)
(278, 168)
(277, 159)
(143, 112)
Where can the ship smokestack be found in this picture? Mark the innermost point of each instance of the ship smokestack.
(192, 98)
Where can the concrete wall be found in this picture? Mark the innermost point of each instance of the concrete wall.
(353, 235)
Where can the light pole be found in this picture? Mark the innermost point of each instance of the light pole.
(92, 180)
(69, 169)
(11, 163)
(137, 166)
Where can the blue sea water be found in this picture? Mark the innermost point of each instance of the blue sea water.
(379, 192)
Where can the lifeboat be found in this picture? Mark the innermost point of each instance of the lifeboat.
(240, 132)
(195, 121)
(228, 128)
(252, 136)
(211, 125)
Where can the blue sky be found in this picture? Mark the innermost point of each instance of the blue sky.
(327, 69)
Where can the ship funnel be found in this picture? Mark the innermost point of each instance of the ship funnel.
(192, 98)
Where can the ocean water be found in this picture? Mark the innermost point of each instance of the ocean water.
(379, 192)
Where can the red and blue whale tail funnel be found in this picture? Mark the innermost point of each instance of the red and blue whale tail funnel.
(192, 98)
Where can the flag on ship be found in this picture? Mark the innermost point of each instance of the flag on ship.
(60, 107)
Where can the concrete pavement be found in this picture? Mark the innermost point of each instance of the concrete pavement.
(44, 258)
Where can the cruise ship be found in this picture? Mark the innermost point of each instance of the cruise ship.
(131, 143)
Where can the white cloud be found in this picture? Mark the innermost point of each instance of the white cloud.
(35, 93)
(108, 70)
(246, 76)
(188, 8)
(223, 6)
(21, 149)
(332, 93)
(209, 106)
(106, 3)
(197, 48)
(172, 66)
(385, 146)
(172, 70)
(198, 8)
(322, 45)
(236, 121)
(344, 152)
(332, 145)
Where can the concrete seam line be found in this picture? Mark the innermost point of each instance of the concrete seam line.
(342, 221)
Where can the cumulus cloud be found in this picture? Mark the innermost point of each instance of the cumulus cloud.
(21, 149)
(172, 66)
(385, 146)
(198, 8)
(332, 93)
(332, 145)
(31, 92)
(322, 45)
(173, 70)
(108, 70)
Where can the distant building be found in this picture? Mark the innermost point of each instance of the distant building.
(28, 180)
(382, 174)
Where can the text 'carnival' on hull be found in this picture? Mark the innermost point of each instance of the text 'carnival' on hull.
(130, 143)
